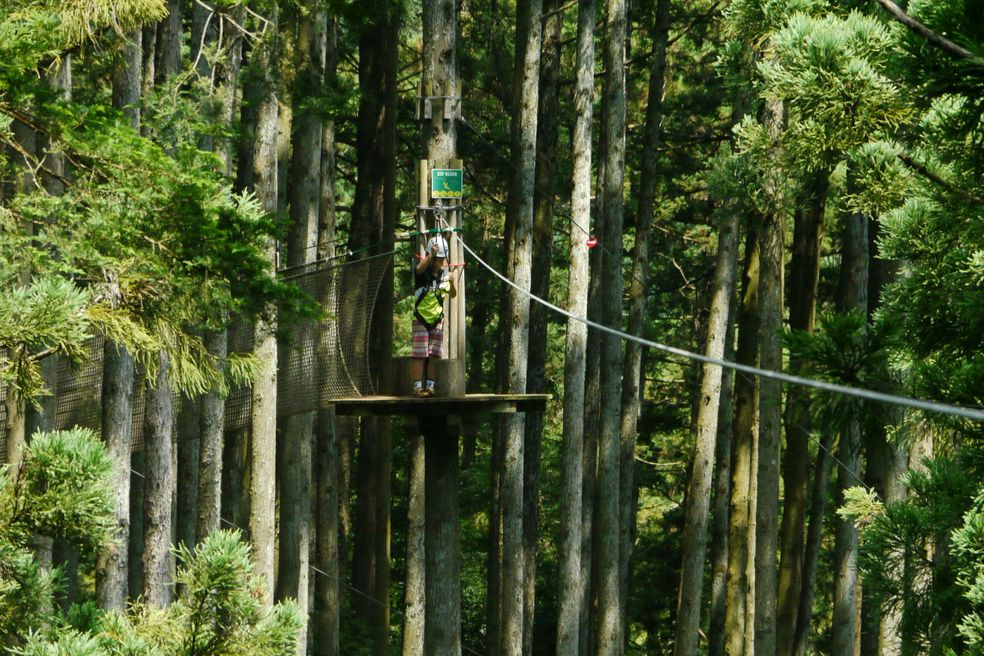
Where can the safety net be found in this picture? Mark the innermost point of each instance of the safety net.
(318, 360)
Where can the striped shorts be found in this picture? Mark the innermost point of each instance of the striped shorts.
(428, 343)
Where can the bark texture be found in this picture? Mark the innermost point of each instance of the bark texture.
(722, 487)
(571, 583)
(442, 631)
(740, 585)
(327, 588)
(770, 398)
(159, 489)
(631, 399)
(852, 296)
(610, 630)
(117, 385)
(543, 225)
(694, 545)
(211, 426)
(803, 280)
(413, 622)
(526, 75)
(263, 422)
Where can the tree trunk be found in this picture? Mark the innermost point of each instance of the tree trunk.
(543, 212)
(308, 133)
(227, 82)
(722, 480)
(886, 462)
(592, 418)
(516, 323)
(304, 206)
(127, 79)
(204, 33)
(494, 560)
(135, 544)
(236, 450)
(326, 222)
(188, 439)
(210, 428)
(149, 38)
(364, 524)
(327, 589)
(328, 556)
(770, 398)
(159, 489)
(382, 529)
(852, 296)
(814, 535)
(572, 582)
(413, 622)
(168, 51)
(804, 277)
(22, 184)
(384, 230)
(740, 583)
(263, 422)
(631, 395)
(698, 499)
(442, 631)
(345, 427)
(610, 630)
(295, 515)
(112, 568)
(16, 430)
(225, 72)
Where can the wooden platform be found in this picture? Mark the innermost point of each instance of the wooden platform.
(469, 404)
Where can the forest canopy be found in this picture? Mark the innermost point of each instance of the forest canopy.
(202, 203)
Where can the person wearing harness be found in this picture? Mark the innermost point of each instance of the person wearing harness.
(432, 283)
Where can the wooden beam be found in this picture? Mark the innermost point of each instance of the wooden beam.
(470, 404)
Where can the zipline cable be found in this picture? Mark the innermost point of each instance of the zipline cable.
(858, 392)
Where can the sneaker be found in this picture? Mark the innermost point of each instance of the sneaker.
(419, 391)
(430, 391)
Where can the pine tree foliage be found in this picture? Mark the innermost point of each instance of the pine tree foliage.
(147, 235)
(63, 491)
(907, 562)
(46, 317)
(968, 547)
(831, 73)
(846, 350)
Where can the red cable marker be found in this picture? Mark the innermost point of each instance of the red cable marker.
(592, 242)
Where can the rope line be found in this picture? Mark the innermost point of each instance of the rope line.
(858, 392)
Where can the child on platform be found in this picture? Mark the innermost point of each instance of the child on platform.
(432, 282)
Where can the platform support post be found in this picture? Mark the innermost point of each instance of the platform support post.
(442, 571)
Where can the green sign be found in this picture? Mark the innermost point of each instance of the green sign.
(447, 183)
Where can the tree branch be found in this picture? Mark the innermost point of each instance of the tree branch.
(937, 40)
(697, 21)
(932, 177)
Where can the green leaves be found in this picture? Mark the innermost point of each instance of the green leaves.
(845, 350)
(904, 558)
(968, 545)
(64, 488)
(37, 320)
(830, 73)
